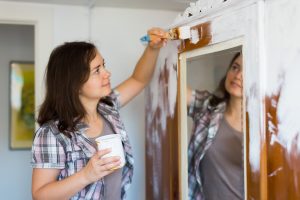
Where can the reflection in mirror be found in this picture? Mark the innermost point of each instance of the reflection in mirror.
(215, 125)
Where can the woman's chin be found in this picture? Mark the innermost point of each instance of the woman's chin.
(236, 94)
(106, 92)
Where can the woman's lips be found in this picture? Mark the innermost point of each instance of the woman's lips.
(236, 84)
(105, 85)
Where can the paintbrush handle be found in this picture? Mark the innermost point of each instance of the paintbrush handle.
(182, 33)
(148, 38)
(145, 38)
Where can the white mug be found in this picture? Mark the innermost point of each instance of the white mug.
(114, 142)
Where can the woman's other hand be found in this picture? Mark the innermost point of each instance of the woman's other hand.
(98, 167)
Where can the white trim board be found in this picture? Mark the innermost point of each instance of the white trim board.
(41, 17)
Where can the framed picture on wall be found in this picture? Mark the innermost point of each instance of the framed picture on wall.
(22, 121)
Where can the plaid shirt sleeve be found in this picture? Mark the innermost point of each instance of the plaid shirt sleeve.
(197, 103)
(197, 108)
(115, 96)
(47, 151)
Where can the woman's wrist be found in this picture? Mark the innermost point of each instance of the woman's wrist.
(83, 178)
(153, 48)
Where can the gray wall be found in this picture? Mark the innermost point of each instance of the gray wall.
(16, 44)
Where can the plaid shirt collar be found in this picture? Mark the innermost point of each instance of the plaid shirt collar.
(112, 115)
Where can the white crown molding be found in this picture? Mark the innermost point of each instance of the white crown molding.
(202, 8)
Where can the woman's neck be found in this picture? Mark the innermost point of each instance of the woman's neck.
(92, 119)
(234, 107)
(233, 113)
(90, 108)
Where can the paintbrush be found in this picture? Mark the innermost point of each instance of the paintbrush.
(178, 33)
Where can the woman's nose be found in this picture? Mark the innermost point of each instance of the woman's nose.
(107, 73)
(239, 75)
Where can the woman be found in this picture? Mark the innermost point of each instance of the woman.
(216, 146)
(79, 107)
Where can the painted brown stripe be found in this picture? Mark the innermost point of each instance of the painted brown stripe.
(205, 38)
(283, 167)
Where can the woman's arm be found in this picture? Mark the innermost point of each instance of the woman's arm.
(189, 92)
(45, 185)
(144, 69)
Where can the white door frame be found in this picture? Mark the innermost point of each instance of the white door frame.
(41, 17)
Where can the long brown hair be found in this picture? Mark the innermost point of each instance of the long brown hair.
(67, 70)
(221, 94)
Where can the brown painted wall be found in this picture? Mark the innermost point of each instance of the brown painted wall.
(162, 176)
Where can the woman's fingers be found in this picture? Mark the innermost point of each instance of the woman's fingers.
(157, 31)
(103, 152)
(111, 166)
(107, 160)
(158, 37)
(107, 163)
(98, 166)
(110, 163)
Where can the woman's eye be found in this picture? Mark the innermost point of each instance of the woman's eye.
(98, 70)
(234, 68)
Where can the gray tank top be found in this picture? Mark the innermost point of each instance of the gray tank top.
(112, 190)
(221, 169)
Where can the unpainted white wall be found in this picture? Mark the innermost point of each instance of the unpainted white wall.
(16, 44)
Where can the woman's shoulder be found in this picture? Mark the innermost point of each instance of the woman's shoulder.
(202, 94)
(199, 102)
(204, 101)
(47, 130)
(111, 102)
(49, 134)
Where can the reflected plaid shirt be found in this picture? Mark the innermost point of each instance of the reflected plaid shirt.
(51, 149)
(206, 123)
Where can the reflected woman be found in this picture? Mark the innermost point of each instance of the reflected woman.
(216, 147)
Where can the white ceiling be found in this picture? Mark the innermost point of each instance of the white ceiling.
(174, 5)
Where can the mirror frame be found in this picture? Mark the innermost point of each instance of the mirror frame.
(182, 109)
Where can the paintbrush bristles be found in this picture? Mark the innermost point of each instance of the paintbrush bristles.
(177, 33)
(173, 34)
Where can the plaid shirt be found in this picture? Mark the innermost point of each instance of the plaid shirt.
(52, 149)
(206, 123)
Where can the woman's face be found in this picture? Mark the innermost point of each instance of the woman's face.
(98, 84)
(234, 79)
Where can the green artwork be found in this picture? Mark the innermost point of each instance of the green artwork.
(22, 121)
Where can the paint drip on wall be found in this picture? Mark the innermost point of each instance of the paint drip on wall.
(163, 87)
(160, 109)
(283, 74)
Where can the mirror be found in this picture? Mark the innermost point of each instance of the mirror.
(202, 69)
